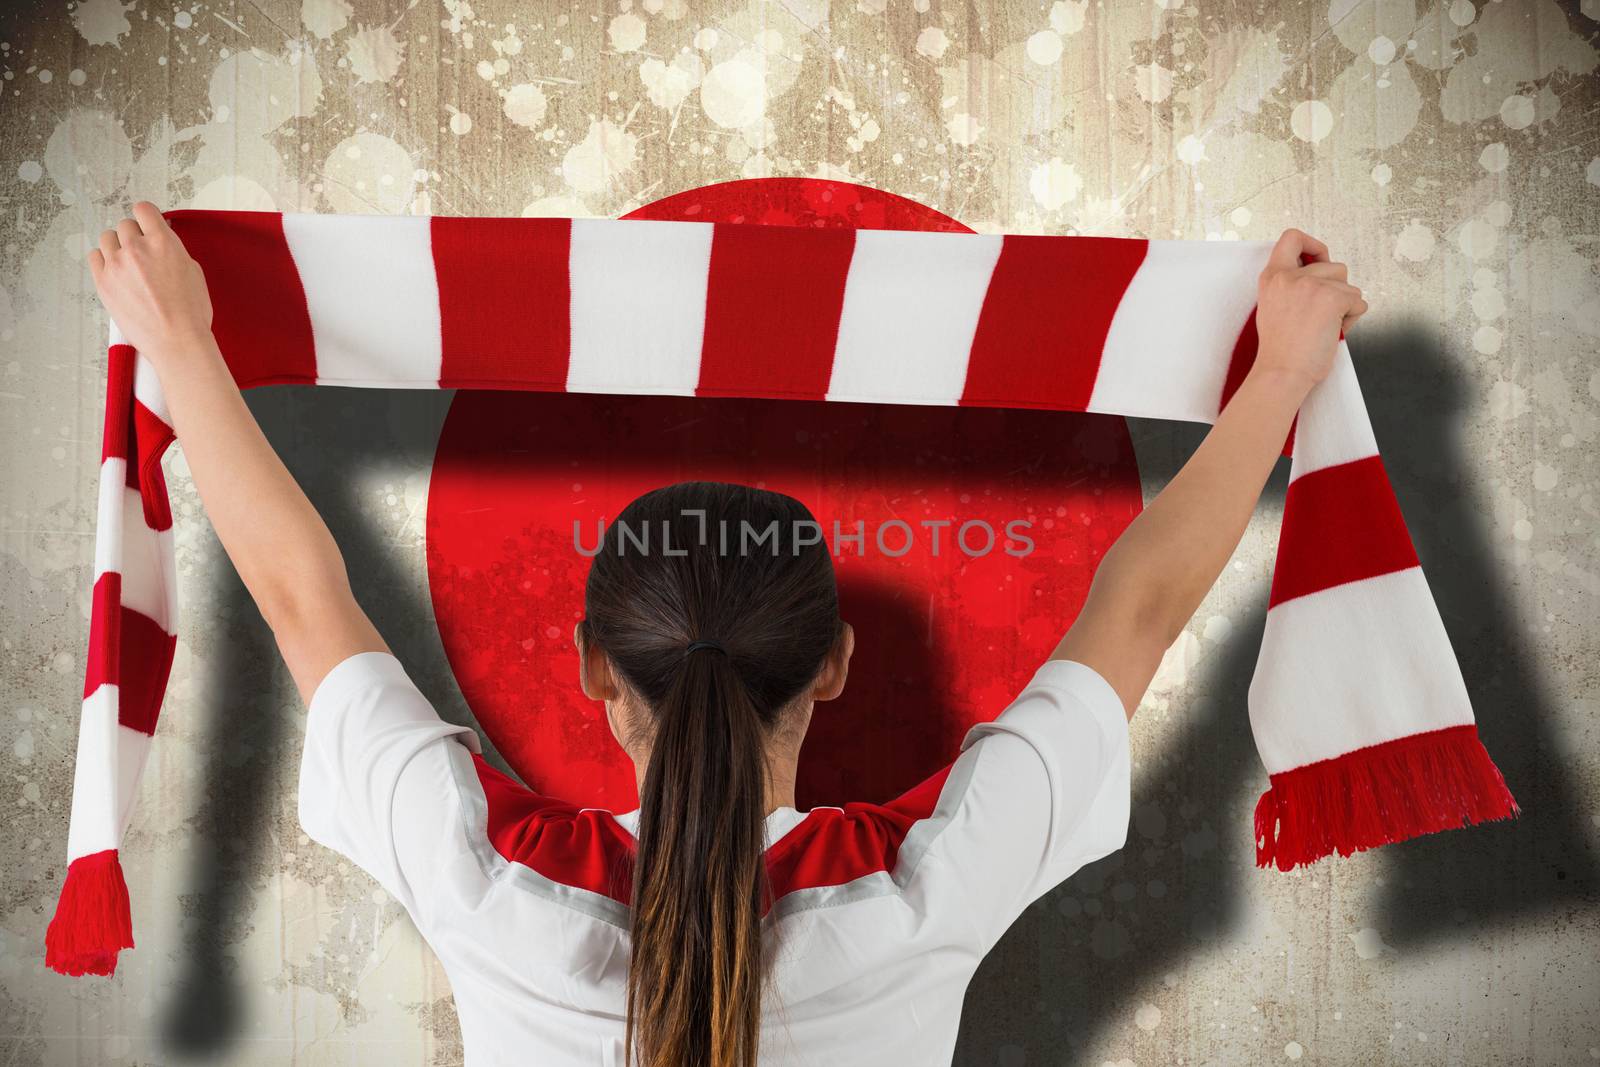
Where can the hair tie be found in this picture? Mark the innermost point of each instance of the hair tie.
(695, 646)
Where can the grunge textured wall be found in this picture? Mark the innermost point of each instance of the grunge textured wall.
(1448, 149)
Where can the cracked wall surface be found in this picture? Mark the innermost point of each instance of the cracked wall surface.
(1446, 149)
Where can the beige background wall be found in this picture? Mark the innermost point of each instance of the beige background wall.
(1446, 148)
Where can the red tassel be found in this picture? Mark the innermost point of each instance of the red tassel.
(92, 923)
(1439, 780)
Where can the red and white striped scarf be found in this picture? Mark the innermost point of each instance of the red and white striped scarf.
(1358, 706)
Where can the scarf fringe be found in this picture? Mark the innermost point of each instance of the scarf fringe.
(1439, 780)
(92, 922)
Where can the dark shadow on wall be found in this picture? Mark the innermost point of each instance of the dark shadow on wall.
(1540, 866)
(1069, 966)
(247, 740)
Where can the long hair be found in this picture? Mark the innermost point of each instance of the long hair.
(742, 576)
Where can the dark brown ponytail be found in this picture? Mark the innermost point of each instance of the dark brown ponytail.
(716, 605)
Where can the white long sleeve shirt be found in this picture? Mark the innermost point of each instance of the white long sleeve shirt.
(881, 913)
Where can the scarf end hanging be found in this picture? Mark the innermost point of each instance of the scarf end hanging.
(92, 923)
(1394, 791)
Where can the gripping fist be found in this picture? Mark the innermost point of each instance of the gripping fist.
(1305, 304)
(153, 290)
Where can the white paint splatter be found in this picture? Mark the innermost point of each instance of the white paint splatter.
(1368, 943)
(1415, 242)
(1293, 1050)
(102, 21)
(1517, 44)
(1507, 400)
(1153, 82)
(324, 18)
(1067, 16)
(509, 45)
(1191, 150)
(368, 173)
(760, 134)
(1055, 184)
(1382, 174)
(88, 155)
(1311, 121)
(964, 129)
(1488, 304)
(374, 53)
(30, 171)
(626, 32)
(525, 105)
(1356, 22)
(262, 91)
(734, 93)
(1147, 1018)
(1517, 112)
(605, 153)
(932, 42)
(1044, 47)
(1477, 238)
(1260, 67)
(1177, 663)
(668, 85)
(1495, 158)
(757, 166)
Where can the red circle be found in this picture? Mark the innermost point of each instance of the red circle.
(946, 632)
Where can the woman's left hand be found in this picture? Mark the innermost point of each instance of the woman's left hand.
(1305, 303)
(153, 290)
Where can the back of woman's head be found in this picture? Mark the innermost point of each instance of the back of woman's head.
(717, 608)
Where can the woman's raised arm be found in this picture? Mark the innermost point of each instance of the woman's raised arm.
(280, 546)
(1151, 581)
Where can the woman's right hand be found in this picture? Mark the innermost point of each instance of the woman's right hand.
(153, 290)
(1305, 303)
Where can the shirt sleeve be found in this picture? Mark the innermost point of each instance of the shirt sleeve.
(375, 783)
(1036, 794)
